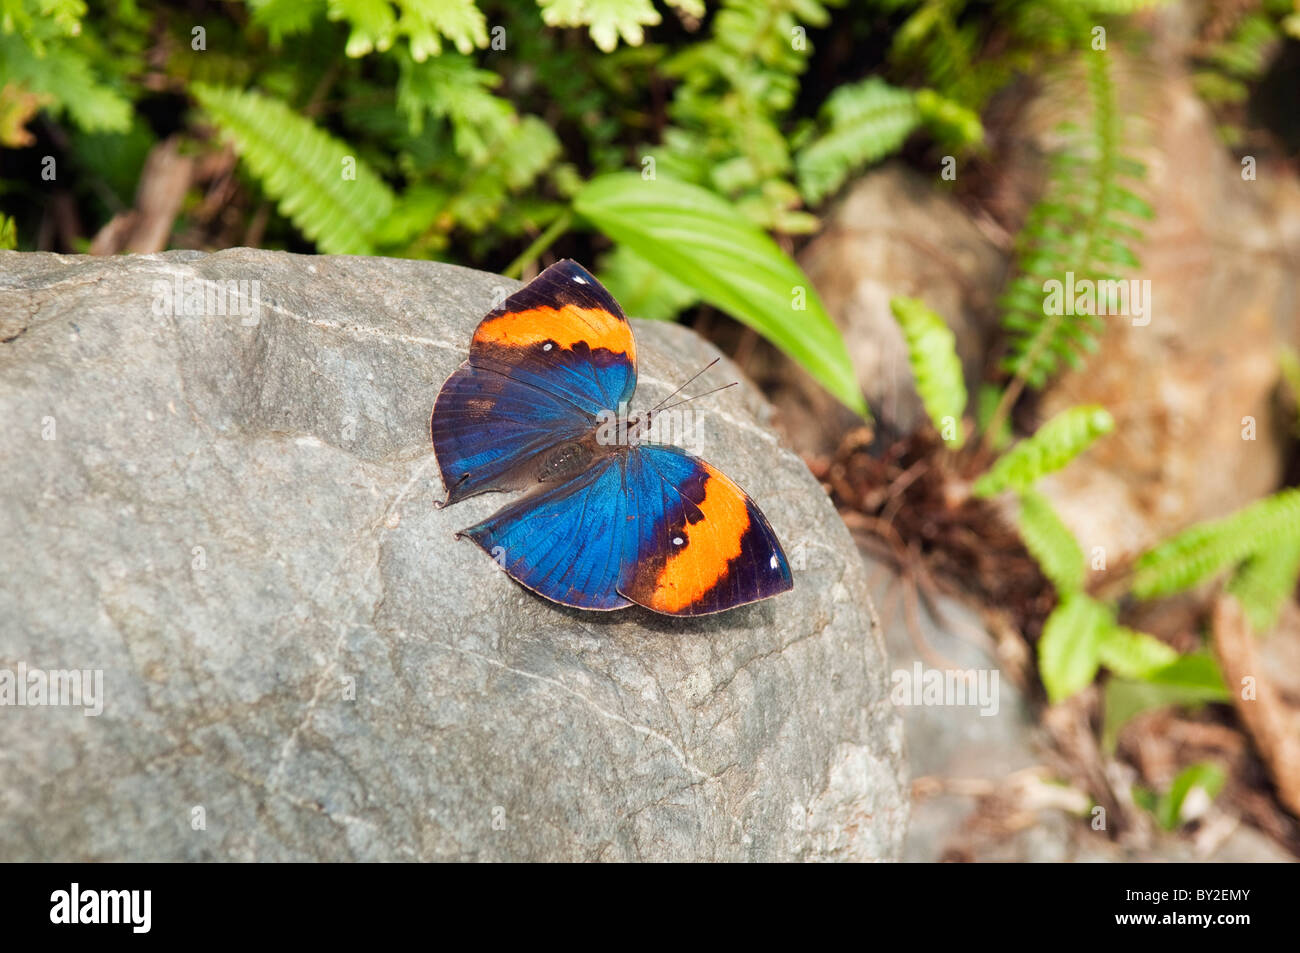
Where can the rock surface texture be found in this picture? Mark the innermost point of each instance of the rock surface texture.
(232, 516)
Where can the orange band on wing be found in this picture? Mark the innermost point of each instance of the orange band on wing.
(565, 326)
(711, 543)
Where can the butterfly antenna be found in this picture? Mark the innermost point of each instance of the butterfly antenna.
(687, 400)
(683, 387)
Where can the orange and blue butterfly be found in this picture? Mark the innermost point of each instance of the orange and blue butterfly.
(603, 523)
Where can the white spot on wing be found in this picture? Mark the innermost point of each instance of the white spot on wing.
(773, 561)
(579, 280)
(677, 540)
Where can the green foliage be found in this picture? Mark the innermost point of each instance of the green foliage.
(1132, 654)
(734, 93)
(1051, 447)
(1208, 548)
(695, 235)
(1204, 775)
(932, 352)
(1051, 543)
(48, 50)
(1232, 65)
(1191, 680)
(8, 233)
(1084, 227)
(643, 290)
(303, 169)
(379, 25)
(1069, 649)
(986, 409)
(867, 121)
(1265, 581)
(610, 19)
(1081, 635)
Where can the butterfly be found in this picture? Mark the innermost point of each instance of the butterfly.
(605, 522)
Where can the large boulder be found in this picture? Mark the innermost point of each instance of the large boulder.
(232, 517)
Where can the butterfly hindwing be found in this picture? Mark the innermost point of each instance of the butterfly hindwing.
(563, 543)
(541, 369)
(696, 543)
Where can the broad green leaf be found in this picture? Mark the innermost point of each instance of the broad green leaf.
(698, 238)
(641, 289)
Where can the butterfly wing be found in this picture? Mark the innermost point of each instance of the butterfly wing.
(695, 543)
(564, 542)
(541, 368)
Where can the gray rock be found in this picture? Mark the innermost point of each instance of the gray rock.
(233, 519)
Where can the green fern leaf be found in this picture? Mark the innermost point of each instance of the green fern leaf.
(452, 87)
(65, 75)
(281, 18)
(1054, 445)
(1190, 680)
(1205, 549)
(867, 121)
(932, 351)
(1083, 227)
(303, 169)
(1131, 654)
(1051, 543)
(1265, 582)
(606, 19)
(1119, 7)
(1069, 649)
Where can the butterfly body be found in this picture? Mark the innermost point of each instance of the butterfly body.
(607, 520)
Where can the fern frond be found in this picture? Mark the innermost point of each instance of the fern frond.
(303, 169)
(867, 121)
(1119, 7)
(1245, 53)
(1083, 226)
(1068, 651)
(59, 71)
(607, 20)
(1132, 654)
(1052, 446)
(1265, 582)
(1208, 548)
(452, 87)
(932, 352)
(1051, 543)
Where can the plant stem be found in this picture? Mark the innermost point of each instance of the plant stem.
(540, 244)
